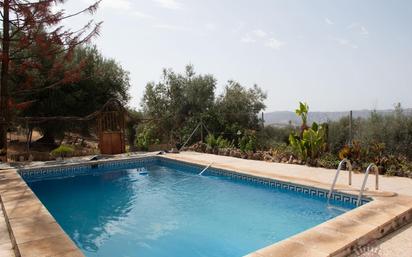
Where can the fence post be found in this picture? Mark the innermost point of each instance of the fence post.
(201, 130)
(263, 120)
(350, 128)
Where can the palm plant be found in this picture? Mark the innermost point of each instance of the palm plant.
(311, 141)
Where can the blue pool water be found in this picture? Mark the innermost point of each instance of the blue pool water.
(172, 211)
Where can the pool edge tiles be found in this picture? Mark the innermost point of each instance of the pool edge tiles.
(274, 183)
(336, 237)
(70, 170)
(84, 168)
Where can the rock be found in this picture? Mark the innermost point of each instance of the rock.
(236, 153)
(257, 156)
(267, 157)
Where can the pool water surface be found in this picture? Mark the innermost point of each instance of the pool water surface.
(173, 211)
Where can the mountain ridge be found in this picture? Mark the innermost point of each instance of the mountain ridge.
(282, 118)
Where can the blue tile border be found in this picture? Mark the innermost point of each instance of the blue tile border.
(70, 170)
(312, 191)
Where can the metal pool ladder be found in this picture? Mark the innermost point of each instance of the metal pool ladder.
(371, 166)
(349, 168)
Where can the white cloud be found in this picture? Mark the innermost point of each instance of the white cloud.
(364, 31)
(142, 15)
(210, 26)
(239, 27)
(358, 28)
(247, 39)
(171, 27)
(260, 33)
(328, 21)
(274, 43)
(345, 42)
(168, 4)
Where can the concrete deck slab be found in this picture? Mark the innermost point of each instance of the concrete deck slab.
(398, 244)
(402, 186)
(6, 247)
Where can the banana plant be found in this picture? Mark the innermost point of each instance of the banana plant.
(311, 144)
(311, 141)
(302, 112)
(299, 146)
(315, 140)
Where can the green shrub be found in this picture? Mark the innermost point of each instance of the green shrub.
(145, 137)
(271, 136)
(223, 143)
(281, 151)
(220, 142)
(311, 144)
(393, 129)
(211, 141)
(62, 151)
(248, 142)
(328, 160)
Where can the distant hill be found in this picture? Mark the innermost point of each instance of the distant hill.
(282, 118)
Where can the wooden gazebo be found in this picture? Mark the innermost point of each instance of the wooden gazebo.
(111, 128)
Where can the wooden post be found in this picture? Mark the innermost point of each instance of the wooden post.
(27, 138)
(263, 120)
(201, 130)
(350, 129)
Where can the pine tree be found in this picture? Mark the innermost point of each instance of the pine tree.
(36, 23)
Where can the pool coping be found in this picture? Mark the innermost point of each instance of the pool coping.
(34, 231)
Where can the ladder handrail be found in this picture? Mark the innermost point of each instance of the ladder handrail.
(372, 165)
(349, 168)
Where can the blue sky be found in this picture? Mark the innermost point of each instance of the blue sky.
(335, 55)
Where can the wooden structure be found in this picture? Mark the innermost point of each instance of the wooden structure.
(111, 128)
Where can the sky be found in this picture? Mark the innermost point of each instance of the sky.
(336, 55)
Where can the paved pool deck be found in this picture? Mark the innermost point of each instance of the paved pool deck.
(6, 247)
(399, 185)
(33, 232)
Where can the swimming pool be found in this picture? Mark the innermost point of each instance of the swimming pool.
(172, 211)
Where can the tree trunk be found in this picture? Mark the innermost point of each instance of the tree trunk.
(4, 118)
(48, 139)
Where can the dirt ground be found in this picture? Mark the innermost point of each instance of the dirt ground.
(18, 148)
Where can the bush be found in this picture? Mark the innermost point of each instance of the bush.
(217, 143)
(311, 144)
(248, 142)
(281, 151)
(62, 151)
(145, 137)
(223, 143)
(211, 141)
(328, 161)
(271, 136)
(394, 130)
